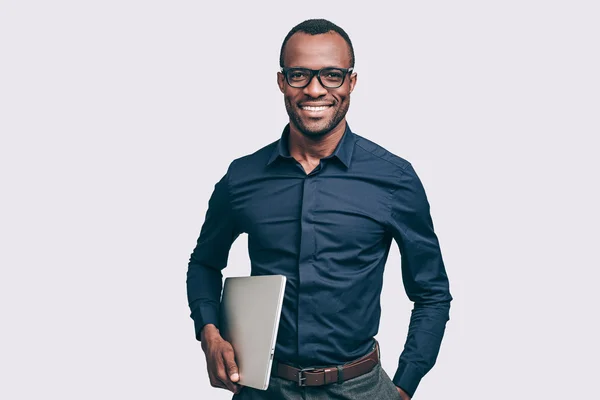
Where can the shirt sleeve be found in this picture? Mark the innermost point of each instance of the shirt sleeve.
(204, 278)
(424, 278)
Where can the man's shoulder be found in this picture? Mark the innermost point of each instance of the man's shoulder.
(253, 161)
(368, 149)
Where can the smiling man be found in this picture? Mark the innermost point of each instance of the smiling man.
(321, 206)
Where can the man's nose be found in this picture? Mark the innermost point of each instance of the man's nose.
(314, 88)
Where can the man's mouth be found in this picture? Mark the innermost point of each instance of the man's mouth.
(316, 108)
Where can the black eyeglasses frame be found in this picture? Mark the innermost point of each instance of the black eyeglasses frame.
(317, 73)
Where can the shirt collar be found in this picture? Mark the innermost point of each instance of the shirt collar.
(342, 152)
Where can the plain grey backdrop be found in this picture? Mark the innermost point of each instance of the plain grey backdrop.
(118, 117)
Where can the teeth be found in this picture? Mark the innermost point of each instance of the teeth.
(310, 108)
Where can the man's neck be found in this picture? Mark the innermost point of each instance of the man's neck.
(308, 151)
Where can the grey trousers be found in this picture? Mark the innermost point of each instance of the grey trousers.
(374, 385)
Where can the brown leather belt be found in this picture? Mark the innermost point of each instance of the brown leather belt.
(325, 375)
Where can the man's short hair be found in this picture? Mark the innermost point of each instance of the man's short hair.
(317, 27)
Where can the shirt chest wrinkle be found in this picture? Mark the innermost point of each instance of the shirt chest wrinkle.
(314, 216)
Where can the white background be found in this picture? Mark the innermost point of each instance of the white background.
(118, 117)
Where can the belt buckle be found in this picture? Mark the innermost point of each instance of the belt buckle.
(301, 378)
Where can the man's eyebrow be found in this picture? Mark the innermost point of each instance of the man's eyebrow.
(316, 69)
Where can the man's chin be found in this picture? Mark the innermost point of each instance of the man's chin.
(314, 132)
(313, 128)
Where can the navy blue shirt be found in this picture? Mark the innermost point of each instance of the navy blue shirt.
(329, 232)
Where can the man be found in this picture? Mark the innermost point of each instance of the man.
(321, 205)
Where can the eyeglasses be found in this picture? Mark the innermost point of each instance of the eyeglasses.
(330, 78)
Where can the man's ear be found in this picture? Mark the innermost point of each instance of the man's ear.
(280, 81)
(353, 79)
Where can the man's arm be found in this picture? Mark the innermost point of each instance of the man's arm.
(424, 277)
(204, 285)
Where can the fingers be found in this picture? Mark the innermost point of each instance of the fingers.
(222, 368)
(230, 365)
(213, 375)
(231, 370)
(219, 379)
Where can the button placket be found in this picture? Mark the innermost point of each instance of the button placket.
(306, 255)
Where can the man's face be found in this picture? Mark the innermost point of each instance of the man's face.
(316, 52)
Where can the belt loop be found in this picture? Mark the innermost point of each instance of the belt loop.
(340, 374)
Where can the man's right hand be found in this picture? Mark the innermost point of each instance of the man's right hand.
(220, 359)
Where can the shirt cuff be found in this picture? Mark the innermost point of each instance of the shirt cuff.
(206, 315)
(407, 378)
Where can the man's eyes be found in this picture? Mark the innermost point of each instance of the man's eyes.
(333, 74)
(298, 74)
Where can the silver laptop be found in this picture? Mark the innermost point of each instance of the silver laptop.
(250, 311)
